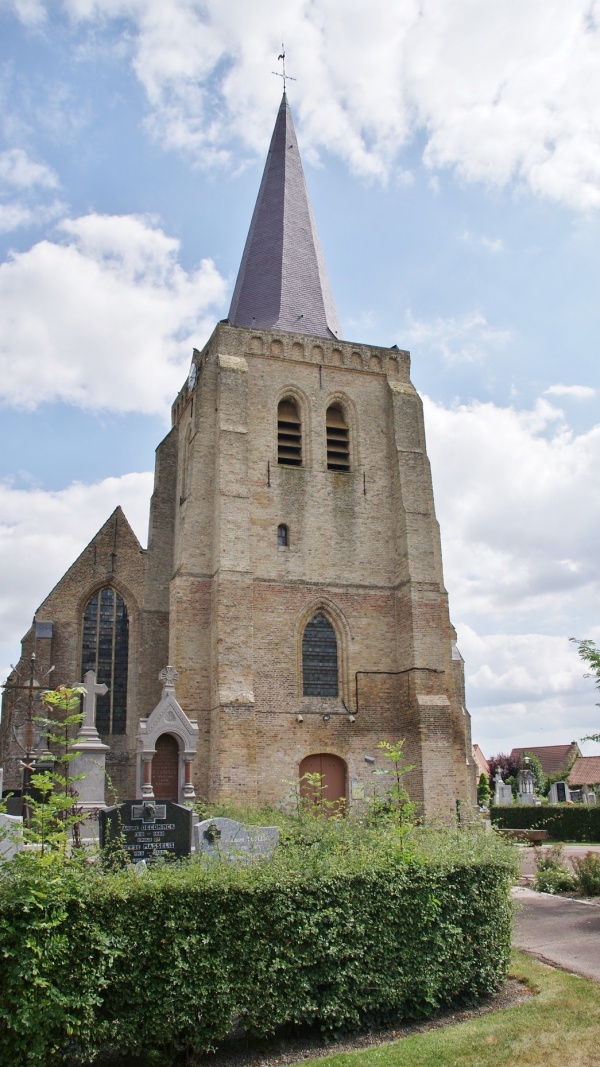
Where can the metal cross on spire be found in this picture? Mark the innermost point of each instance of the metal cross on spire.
(279, 74)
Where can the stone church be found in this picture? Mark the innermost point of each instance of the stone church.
(293, 576)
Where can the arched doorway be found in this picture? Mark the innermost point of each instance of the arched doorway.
(165, 768)
(332, 772)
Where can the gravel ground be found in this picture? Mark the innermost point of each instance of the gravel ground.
(309, 1044)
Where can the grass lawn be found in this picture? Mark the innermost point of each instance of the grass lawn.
(559, 1026)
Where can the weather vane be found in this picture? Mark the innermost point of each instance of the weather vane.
(278, 74)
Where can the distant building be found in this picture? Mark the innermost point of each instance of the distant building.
(293, 575)
(554, 759)
(481, 764)
(585, 775)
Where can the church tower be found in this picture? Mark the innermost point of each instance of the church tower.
(308, 618)
(293, 575)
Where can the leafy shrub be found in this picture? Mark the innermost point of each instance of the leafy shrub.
(564, 822)
(552, 874)
(587, 874)
(343, 926)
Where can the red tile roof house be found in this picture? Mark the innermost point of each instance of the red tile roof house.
(481, 763)
(585, 775)
(554, 759)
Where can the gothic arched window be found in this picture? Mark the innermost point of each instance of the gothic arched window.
(105, 650)
(289, 434)
(319, 659)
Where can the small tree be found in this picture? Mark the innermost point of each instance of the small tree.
(483, 790)
(591, 655)
(54, 810)
(311, 797)
(395, 800)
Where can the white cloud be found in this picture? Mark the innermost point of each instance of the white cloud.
(105, 319)
(18, 169)
(30, 12)
(41, 535)
(526, 689)
(465, 339)
(501, 93)
(491, 244)
(14, 215)
(577, 392)
(29, 180)
(518, 501)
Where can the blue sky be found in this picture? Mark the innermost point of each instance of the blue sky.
(452, 154)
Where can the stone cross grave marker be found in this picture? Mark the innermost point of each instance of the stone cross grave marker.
(147, 829)
(93, 689)
(226, 838)
(90, 752)
(502, 792)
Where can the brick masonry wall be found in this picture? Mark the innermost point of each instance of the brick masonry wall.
(113, 557)
(364, 546)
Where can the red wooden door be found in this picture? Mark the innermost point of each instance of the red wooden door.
(332, 771)
(165, 769)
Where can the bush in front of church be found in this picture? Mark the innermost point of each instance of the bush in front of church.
(359, 927)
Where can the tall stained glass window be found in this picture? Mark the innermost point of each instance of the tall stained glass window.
(319, 659)
(106, 650)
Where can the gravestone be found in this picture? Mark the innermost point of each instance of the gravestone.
(147, 829)
(11, 839)
(559, 793)
(502, 792)
(229, 839)
(526, 784)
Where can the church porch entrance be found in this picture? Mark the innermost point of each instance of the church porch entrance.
(165, 769)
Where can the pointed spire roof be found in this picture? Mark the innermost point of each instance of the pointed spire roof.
(282, 282)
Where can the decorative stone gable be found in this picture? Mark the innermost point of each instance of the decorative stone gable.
(168, 717)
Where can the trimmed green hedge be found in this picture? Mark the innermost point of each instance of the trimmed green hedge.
(564, 822)
(166, 963)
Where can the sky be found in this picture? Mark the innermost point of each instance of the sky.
(452, 155)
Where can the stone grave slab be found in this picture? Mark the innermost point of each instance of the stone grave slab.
(559, 793)
(226, 838)
(149, 829)
(11, 840)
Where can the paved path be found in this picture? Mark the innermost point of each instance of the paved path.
(558, 930)
(527, 855)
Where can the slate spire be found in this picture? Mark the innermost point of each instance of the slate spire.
(282, 282)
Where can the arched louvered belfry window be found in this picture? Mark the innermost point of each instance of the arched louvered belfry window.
(105, 650)
(319, 658)
(289, 434)
(338, 439)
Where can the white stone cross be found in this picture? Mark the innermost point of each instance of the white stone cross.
(93, 689)
(168, 676)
